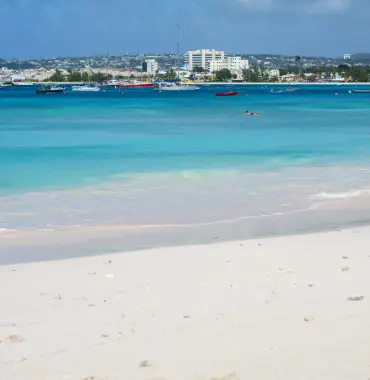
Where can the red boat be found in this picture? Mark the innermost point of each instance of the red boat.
(134, 85)
(230, 93)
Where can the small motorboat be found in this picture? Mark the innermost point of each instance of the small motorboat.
(6, 84)
(286, 91)
(86, 88)
(359, 91)
(165, 86)
(50, 90)
(229, 93)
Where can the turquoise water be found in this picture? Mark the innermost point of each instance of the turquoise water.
(145, 158)
(49, 142)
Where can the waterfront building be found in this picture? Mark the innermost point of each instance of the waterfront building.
(234, 64)
(202, 57)
(150, 66)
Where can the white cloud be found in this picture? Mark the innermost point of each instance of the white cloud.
(329, 6)
(310, 6)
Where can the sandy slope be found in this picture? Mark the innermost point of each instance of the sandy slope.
(261, 309)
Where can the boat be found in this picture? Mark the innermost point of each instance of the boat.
(175, 87)
(50, 90)
(113, 83)
(359, 91)
(289, 90)
(230, 93)
(6, 84)
(86, 88)
(26, 84)
(134, 84)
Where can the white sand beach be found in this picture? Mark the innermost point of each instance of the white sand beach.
(284, 308)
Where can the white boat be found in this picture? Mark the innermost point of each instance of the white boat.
(365, 91)
(175, 87)
(86, 88)
(23, 83)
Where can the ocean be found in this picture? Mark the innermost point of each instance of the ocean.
(90, 173)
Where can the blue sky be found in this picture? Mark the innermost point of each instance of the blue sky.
(49, 28)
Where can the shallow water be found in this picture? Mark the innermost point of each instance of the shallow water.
(113, 171)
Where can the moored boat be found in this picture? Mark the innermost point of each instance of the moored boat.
(26, 84)
(229, 93)
(359, 91)
(86, 88)
(6, 84)
(134, 84)
(175, 87)
(285, 91)
(50, 90)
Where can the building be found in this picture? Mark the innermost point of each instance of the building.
(274, 73)
(150, 66)
(237, 64)
(216, 65)
(347, 56)
(234, 64)
(201, 58)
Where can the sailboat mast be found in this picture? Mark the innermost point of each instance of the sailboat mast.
(141, 71)
(178, 59)
(178, 53)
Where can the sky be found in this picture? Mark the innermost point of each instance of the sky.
(51, 28)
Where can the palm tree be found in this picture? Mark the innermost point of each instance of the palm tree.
(298, 61)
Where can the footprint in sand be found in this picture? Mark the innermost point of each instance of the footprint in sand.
(15, 338)
(144, 364)
(356, 298)
(230, 376)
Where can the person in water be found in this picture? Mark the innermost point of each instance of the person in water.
(247, 113)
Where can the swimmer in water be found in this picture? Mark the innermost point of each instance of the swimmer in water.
(247, 113)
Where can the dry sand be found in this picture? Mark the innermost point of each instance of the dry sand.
(281, 308)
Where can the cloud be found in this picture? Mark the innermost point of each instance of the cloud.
(308, 6)
(330, 6)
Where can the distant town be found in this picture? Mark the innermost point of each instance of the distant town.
(195, 65)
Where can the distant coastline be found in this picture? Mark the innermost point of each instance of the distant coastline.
(240, 83)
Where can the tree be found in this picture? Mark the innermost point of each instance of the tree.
(198, 69)
(171, 75)
(57, 76)
(74, 76)
(251, 75)
(85, 77)
(223, 75)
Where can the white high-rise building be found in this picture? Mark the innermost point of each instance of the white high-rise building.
(217, 65)
(234, 64)
(150, 66)
(202, 57)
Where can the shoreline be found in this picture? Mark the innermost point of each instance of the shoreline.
(233, 83)
(284, 83)
(194, 312)
(73, 243)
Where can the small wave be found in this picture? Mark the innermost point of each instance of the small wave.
(344, 195)
(109, 227)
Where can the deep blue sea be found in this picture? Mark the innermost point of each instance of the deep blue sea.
(110, 170)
